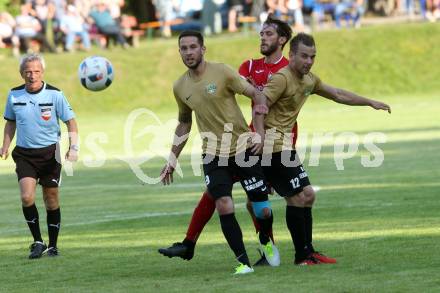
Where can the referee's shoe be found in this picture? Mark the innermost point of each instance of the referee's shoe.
(37, 249)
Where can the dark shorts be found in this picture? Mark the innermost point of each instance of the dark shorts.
(221, 173)
(39, 164)
(287, 179)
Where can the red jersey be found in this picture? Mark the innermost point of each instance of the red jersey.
(258, 72)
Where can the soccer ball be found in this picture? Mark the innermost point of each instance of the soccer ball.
(95, 73)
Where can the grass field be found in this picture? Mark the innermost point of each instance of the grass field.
(382, 224)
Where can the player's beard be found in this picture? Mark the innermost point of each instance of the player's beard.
(196, 64)
(270, 49)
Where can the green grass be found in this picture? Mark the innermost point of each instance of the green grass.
(382, 224)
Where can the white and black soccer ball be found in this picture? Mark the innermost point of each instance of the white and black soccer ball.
(95, 73)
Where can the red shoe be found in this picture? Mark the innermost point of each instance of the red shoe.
(310, 261)
(323, 258)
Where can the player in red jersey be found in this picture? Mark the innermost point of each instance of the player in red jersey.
(273, 36)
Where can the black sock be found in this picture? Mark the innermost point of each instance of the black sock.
(265, 228)
(309, 228)
(233, 235)
(295, 223)
(31, 215)
(53, 226)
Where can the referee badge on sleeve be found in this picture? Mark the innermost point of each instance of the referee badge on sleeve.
(46, 114)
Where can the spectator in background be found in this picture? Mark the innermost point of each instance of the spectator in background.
(59, 9)
(258, 10)
(73, 25)
(211, 17)
(28, 28)
(294, 11)
(165, 13)
(433, 10)
(351, 10)
(43, 11)
(235, 7)
(83, 7)
(7, 24)
(114, 7)
(106, 25)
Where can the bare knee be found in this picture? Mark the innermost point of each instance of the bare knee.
(27, 198)
(298, 200)
(224, 205)
(309, 195)
(267, 213)
(50, 196)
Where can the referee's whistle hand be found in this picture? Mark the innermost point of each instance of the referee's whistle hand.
(72, 156)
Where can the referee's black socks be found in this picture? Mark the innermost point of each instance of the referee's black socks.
(31, 215)
(53, 226)
(234, 237)
(296, 224)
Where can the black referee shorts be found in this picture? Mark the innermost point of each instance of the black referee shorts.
(287, 178)
(40, 164)
(221, 173)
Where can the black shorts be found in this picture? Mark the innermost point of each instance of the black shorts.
(287, 179)
(221, 173)
(40, 164)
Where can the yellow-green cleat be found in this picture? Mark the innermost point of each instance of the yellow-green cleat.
(243, 269)
(270, 251)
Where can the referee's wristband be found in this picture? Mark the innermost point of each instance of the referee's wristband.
(74, 147)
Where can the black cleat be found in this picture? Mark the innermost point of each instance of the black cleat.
(178, 249)
(37, 249)
(52, 252)
(262, 261)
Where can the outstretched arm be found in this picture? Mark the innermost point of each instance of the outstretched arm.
(348, 98)
(8, 135)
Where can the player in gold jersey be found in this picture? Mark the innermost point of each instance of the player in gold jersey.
(209, 90)
(286, 93)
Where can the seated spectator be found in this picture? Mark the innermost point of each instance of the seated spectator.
(7, 37)
(235, 7)
(72, 25)
(295, 15)
(433, 10)
(28, 28)
(351, 10)
(43, 11)
(320, 8)
(165, 13)
(106, 25)
(59, 10)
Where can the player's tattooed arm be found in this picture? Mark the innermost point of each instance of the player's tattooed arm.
(349, 98)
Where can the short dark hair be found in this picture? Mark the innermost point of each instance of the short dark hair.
(189, 33)
(302, 38)
(283, 28)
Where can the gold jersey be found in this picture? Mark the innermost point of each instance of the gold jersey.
(218, 116)
(286, 94)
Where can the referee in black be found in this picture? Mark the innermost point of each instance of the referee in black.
(33, 111)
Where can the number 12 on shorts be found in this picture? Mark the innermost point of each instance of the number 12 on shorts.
(295, 182)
